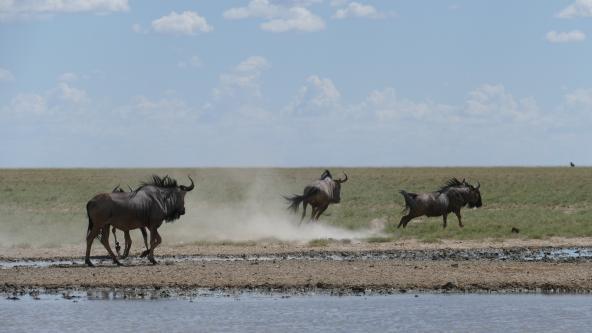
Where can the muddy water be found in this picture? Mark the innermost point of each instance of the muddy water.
(277, 313)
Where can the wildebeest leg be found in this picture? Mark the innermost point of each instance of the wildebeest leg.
(304, 205)
(404, 220)
(444, 218)
(314, 212)
(154, 241)
(105, 241)
(459, 219)
(89, 240)
(145, 235)
(128, 244)
(321, 211)
(117, 247)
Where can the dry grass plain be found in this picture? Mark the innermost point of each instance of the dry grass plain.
(46, 207)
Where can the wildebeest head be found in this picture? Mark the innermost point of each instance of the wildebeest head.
(182, 190)
(474, 196)
(337, 188)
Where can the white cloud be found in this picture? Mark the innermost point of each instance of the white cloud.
(323, 91)
(299, 18)
(387, 105)
(565, 37)
(494, 102)
(193, 62)
(5, 75)
(580, 99)
(32, 8)
(279, 18)
(356, 9)
(580, 8)
(244, 79)
(68, 77)
(71, 94)
(255, 8)
(186, 23)
(240, 89)
(253, 64)
(317, 95)
(28, 104)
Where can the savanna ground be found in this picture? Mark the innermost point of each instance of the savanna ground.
(238, 211)
(47, 207)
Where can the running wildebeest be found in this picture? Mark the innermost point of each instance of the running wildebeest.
(450, 198)
(160, 199)
(318, 195)
(128, 239)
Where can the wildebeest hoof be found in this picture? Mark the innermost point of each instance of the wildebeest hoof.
(88, 263)
(145, 253)
(118, 263)
(153, 261)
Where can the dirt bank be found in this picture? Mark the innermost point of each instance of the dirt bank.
(341, 267)
(356, 275)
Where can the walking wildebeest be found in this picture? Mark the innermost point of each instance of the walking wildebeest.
(128, 239)
(160, 199)
(450, 198)
(318, 195)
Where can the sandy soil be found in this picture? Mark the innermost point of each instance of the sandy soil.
(343, 276)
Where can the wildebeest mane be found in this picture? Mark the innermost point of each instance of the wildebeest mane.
(326, 174)
(166, 182)
(450, 183)
(167, 197)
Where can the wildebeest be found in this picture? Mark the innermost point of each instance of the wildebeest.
(318, 195)
(450, 198)
(160, 199)
(128, 239)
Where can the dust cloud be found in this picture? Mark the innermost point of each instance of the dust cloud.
(260, 216)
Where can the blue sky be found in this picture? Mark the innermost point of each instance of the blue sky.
(116, 83)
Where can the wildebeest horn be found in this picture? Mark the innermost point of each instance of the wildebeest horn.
(188, 188)
(478, 185)
(342, 180)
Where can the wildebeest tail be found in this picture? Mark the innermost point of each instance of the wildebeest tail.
(90, 222)
(294, 201)
(409, 200)
(90, 225)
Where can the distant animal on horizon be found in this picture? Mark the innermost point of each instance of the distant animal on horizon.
(319, 195)
(155, 201)
(128, 239)
(450, 198)
(571, 164)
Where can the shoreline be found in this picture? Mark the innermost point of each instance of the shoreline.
(552, 266)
